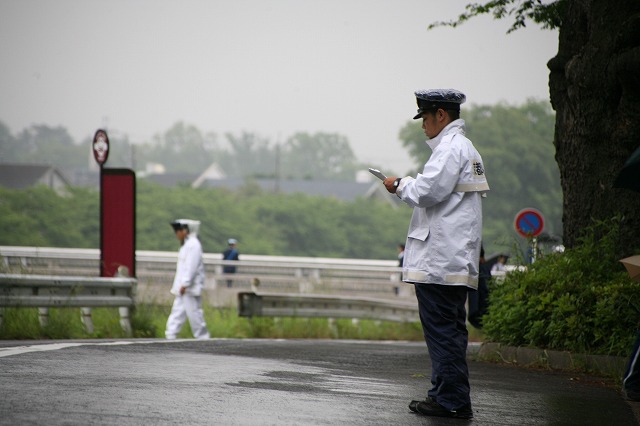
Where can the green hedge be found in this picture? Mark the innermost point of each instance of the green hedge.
(581, 301)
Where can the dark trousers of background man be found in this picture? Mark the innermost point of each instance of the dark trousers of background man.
(443, 317)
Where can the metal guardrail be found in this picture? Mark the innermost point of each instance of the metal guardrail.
(44, 292)
(295, 305)
(277, 274)
(89, 255)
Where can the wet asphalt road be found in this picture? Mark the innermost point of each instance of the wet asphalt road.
(274, 382)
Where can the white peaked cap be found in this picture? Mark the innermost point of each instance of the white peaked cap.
(193, 225)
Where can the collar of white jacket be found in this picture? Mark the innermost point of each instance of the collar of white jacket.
(456, 126)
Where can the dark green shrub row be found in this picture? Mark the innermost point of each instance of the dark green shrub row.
(581, 301)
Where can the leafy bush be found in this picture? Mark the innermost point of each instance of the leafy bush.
(581, 301)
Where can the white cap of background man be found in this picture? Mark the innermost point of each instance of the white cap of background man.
(193, 226)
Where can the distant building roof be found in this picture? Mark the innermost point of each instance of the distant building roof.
(212, 172)
(171, 179)
(21, 176)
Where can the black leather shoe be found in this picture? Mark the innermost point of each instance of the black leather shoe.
(431, 408)
(413, 404)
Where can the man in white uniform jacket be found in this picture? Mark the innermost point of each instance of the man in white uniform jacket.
(442, 251)
(188, 282)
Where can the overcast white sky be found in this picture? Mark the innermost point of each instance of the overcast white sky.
(269, 67)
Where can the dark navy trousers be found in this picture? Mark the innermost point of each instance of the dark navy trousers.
(443, 318)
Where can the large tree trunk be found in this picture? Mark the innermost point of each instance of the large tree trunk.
(595, 90)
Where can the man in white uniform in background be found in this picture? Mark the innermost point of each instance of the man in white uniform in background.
(443, 247)
(188, 282)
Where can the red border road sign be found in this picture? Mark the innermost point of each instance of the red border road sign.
(100, 146)
(529, 222)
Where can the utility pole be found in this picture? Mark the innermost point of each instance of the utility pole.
(277, 171)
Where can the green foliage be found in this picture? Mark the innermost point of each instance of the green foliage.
(378, 330)
(39, 217)
(580, 301)
(44, 144)
(319, 156)
(226, 323)
(548, 14)
(184, 149)
(249, 155)
(286, 225)
(63, 323)
(20, 324)
(148, 321)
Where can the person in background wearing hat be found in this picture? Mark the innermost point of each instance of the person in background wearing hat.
(231, 253)
(443, 247)
(188, 282)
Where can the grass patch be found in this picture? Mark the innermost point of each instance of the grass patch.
(149, 321)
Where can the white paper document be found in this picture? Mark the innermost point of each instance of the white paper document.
(377, 173)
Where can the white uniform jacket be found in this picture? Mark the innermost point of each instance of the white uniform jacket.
(190, 268)
(443, 242)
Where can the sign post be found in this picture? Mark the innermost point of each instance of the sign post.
(117, 213)
(529, 223)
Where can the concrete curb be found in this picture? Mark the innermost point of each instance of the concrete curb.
(610, 366)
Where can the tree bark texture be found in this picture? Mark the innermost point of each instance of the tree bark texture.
(594, 84)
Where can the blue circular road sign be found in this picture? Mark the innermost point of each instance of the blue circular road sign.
(529, 222)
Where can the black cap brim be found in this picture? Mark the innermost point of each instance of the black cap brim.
(178, 226)
(426, 106)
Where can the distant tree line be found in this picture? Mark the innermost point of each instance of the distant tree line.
(515, 142)
(184, 148)
(263, 223)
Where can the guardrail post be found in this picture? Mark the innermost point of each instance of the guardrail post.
(305, 286)
(249, 304)
(43, 316)
(125, 322)
(86, 319)
(333, 327)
